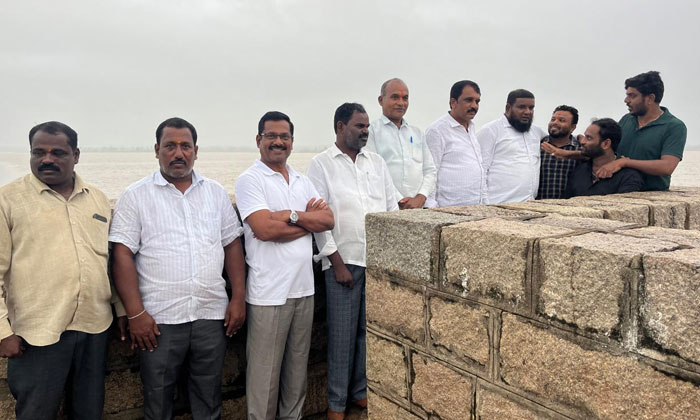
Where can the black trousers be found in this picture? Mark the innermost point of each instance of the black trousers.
(203, 344)
(39, 377)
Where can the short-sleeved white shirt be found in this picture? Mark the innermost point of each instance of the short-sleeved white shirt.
(276, 270)
(178, 243)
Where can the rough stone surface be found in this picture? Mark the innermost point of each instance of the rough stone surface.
(488, 260)
(440, 390)
(234, 409)
(405, 243)
(670, 308)
(232, 365)
(316, 401)
(3, 368)
(394, 308)
(669, 214)
(624, 212)
(493, 404)
(595, 384)
(382, 409)
(542, 207)
(122, 391)
(689, 238)
(691, 201)
(386, 365)
(582, 223)
(583, 278)
(460, 328)
(484, 212)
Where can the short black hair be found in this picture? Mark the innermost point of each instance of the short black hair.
(518, 93)
(647, 83)
(344, 113)
(609, 129)
(55, 127)
(458, 87)
(570, 109)
(274, 116)
(175, 122)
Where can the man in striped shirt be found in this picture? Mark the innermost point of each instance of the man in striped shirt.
(174, 232)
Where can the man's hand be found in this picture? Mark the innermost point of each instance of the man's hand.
(316, 204)
(607, 170)
(343, 276)
(143, 331)
(123, 325)
(416, 202)
(11, 347)
(235, 316)
(553, 150)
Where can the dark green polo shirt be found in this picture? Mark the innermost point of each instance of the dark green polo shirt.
(665, 136)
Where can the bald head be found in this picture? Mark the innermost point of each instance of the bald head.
(393, 99)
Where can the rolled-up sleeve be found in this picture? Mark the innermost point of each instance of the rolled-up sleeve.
(126, 223)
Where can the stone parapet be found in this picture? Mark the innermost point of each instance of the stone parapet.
(556, 309)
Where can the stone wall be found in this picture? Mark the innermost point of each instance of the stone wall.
(558, 309)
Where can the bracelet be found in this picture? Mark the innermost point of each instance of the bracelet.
(137, 315)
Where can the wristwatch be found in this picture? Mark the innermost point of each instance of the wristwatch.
(293, 218)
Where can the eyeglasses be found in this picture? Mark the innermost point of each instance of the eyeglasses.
(272, 136)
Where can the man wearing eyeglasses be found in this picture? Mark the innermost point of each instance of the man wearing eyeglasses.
(55, 314)
(280, 209)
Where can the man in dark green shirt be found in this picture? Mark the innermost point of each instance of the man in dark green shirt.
(652, 139)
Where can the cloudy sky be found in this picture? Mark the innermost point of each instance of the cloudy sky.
(114, 69)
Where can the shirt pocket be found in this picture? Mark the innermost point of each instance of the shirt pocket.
(416, 150)
(375, 186)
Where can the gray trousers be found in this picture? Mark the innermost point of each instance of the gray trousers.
(345, 315)
(39, 377)
(279, 338)
(203, 344)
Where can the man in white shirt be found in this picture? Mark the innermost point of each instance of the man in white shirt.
(402, 147)
(510, 146)
(354, 182)
(280, 208)
(174, 232)
(461, 176)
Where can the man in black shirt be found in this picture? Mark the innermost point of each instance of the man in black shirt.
(599, 144)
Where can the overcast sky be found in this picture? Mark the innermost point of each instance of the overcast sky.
(114, 69)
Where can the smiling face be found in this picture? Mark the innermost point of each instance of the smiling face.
(561, 124)
(52, 160)
(176, 153)
(394, 102)
(464, 108)
(275, 142)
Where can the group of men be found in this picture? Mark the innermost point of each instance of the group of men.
(175, 233)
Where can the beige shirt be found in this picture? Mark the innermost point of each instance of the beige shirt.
(53, 261)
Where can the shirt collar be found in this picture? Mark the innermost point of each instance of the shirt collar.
(663, 119)
(505, 121)
(335, 151)
(269, 172)
(386, 121)
(158, 178)
(572, 140)
(454, 123)
(78, 184)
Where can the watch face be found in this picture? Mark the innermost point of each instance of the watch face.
(294, 217)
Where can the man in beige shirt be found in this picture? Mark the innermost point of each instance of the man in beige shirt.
(55, 310)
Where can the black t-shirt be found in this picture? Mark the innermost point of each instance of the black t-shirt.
(582, 182)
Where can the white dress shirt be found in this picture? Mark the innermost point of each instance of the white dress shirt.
(178, 243)
(276, 270)
(351, 189)
(512, 161)
(461, 176)
(406, 154)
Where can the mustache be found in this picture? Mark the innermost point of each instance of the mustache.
(49, 167)
(182, 161)
(277, 146)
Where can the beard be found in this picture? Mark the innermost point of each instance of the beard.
(518, 125)
(593, 152)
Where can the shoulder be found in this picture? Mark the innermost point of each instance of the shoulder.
(97, 194)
